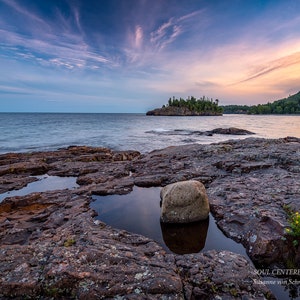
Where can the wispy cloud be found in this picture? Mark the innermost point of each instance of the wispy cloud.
(191, 15)
(138, 38)
(76, 14)
(252, 69)
(206, 84)
(10, 89)
(149, 46)
(52, 43)
(165, 34)
(30, 16)
(273, 65)
(66, 51)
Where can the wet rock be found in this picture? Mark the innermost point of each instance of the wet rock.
(125, 155)
(32, 167)
(184, 202)
(231, 130)
(186, 132)
(9, 182)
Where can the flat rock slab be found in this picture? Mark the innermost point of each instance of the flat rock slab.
(52, 247)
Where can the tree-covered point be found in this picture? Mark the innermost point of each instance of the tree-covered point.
(289, 105)
(203, 104)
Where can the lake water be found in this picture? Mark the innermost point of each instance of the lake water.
(49, 131)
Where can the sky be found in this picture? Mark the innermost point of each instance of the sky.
(132, 55)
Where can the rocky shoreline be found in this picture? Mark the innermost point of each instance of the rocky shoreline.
(179, 111)
(51, 246)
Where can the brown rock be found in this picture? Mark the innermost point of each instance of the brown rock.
(51, 247)
(232, 131)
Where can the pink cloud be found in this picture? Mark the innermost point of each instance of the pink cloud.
(138, 36)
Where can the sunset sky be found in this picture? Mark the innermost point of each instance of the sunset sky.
(132, 55)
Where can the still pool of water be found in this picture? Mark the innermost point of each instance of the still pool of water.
(139, 212)
(44, 183)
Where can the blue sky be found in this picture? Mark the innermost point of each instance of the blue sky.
(132, 55)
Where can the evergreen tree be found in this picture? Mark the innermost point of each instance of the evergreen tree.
(201, 105)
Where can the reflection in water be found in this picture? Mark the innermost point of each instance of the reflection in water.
(43, 184)
(139, 212)
(185, 238)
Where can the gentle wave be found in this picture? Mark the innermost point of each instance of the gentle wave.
(26, 132)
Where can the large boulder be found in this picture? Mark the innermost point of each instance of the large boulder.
(184, 202)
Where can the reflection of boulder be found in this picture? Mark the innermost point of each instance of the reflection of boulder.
(185, 238)
(184, 202)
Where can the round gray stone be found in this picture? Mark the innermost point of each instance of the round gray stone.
(184, 202)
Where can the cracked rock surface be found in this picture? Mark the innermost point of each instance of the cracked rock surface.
(52, 247)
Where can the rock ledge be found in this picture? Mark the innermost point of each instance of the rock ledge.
(52, 247)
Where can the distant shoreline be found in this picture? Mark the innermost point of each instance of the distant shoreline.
(180, 112)
(231, 113)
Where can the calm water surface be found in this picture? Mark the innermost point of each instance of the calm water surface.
(139, 212)
(44, 183)
(50, 131)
